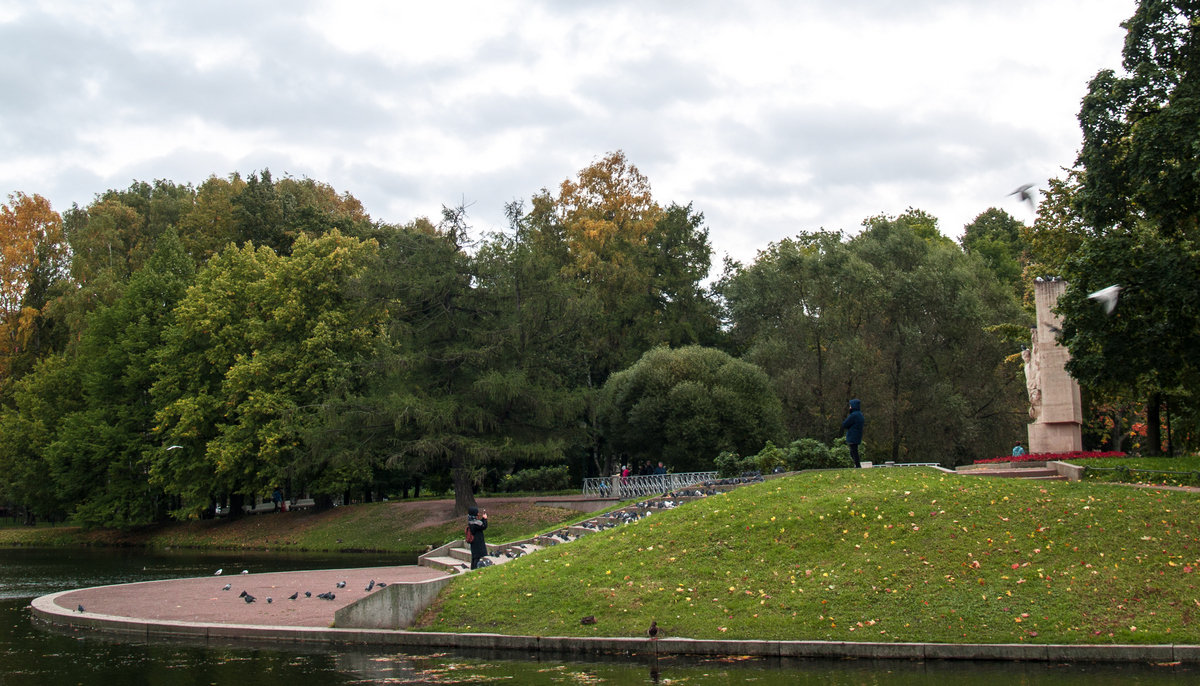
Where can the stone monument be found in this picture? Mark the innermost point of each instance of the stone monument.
(1055, 410)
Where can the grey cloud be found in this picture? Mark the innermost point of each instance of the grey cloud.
(300, 86)
(865, 146)
(649, 84)
(495, 112)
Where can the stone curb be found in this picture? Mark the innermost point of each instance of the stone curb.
(46, 612)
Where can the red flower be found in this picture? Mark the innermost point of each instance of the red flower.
(1050, 457)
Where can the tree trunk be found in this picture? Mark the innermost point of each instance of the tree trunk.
(464, 494)
(1154, 424)
(896, 409)
(236, 501)
(1167, 411)
(1118, 434)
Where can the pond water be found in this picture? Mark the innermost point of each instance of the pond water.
(33, 656)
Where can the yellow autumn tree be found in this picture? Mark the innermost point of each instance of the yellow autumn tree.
(607, 212)
(32, 249)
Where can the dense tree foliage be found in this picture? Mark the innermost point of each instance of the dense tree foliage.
(33, 256)
(257, 343)
(686, 406)
(995, 237)
(207, 344)
(897, 316)
(1138, 196)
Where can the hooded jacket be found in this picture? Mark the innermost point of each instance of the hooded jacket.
(853, 424)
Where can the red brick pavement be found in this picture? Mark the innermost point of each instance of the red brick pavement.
(202, 600)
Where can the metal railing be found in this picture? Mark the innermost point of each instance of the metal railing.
(620, 487)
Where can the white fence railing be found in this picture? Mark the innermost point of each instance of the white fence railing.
(617, 486)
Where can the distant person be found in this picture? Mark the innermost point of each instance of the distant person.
(625, 472)
(277, 499)
(476, 524)
(1018, 450)
(853, 426)
(660, 469)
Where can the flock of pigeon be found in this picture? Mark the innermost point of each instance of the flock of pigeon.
(327, 595)
(626, 515)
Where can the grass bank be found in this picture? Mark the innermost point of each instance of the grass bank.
(1168, 471)
(398, 526)
(871, 555)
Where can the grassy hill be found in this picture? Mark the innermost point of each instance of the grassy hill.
(871, 555)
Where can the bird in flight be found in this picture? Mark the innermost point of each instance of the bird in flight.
(1024, 195)
(1107, 297)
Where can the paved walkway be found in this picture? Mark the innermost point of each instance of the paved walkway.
(203, 600)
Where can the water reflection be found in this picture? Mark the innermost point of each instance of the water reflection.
(32, 656)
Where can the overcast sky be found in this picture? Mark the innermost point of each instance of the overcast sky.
(770, 117)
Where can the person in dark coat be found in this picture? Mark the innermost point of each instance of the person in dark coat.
(476, 524)
(853, 426)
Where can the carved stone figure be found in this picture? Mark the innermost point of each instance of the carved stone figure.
(1055, 410)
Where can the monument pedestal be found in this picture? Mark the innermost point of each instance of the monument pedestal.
(1061, 437)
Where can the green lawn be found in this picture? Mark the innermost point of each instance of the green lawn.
(1157, 470)
(871, 555)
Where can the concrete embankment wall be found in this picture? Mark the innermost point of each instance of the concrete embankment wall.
(394, 607)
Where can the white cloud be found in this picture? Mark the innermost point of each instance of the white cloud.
(770, 117)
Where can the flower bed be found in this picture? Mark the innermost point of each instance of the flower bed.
(1052, 457)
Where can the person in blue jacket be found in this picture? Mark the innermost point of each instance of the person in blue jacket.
(853, 426)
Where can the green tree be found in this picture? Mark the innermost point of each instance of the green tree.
(1150, 342)
(637, 269)
(28, 424)
(686, 406)
(938, 377)
(996, 237)
(798, 312)
(474, 380)
(1140, 190)
(1141, 128)
(896, 316)
(210, 225)
(258, 344)
(274, 213)
(101, 453)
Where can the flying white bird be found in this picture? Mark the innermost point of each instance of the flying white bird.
(218, 572)
(1107, 297)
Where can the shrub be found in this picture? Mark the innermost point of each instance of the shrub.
(840, 453)
(541, 479)
(768, 459)
(809, 453)
(728, 464)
